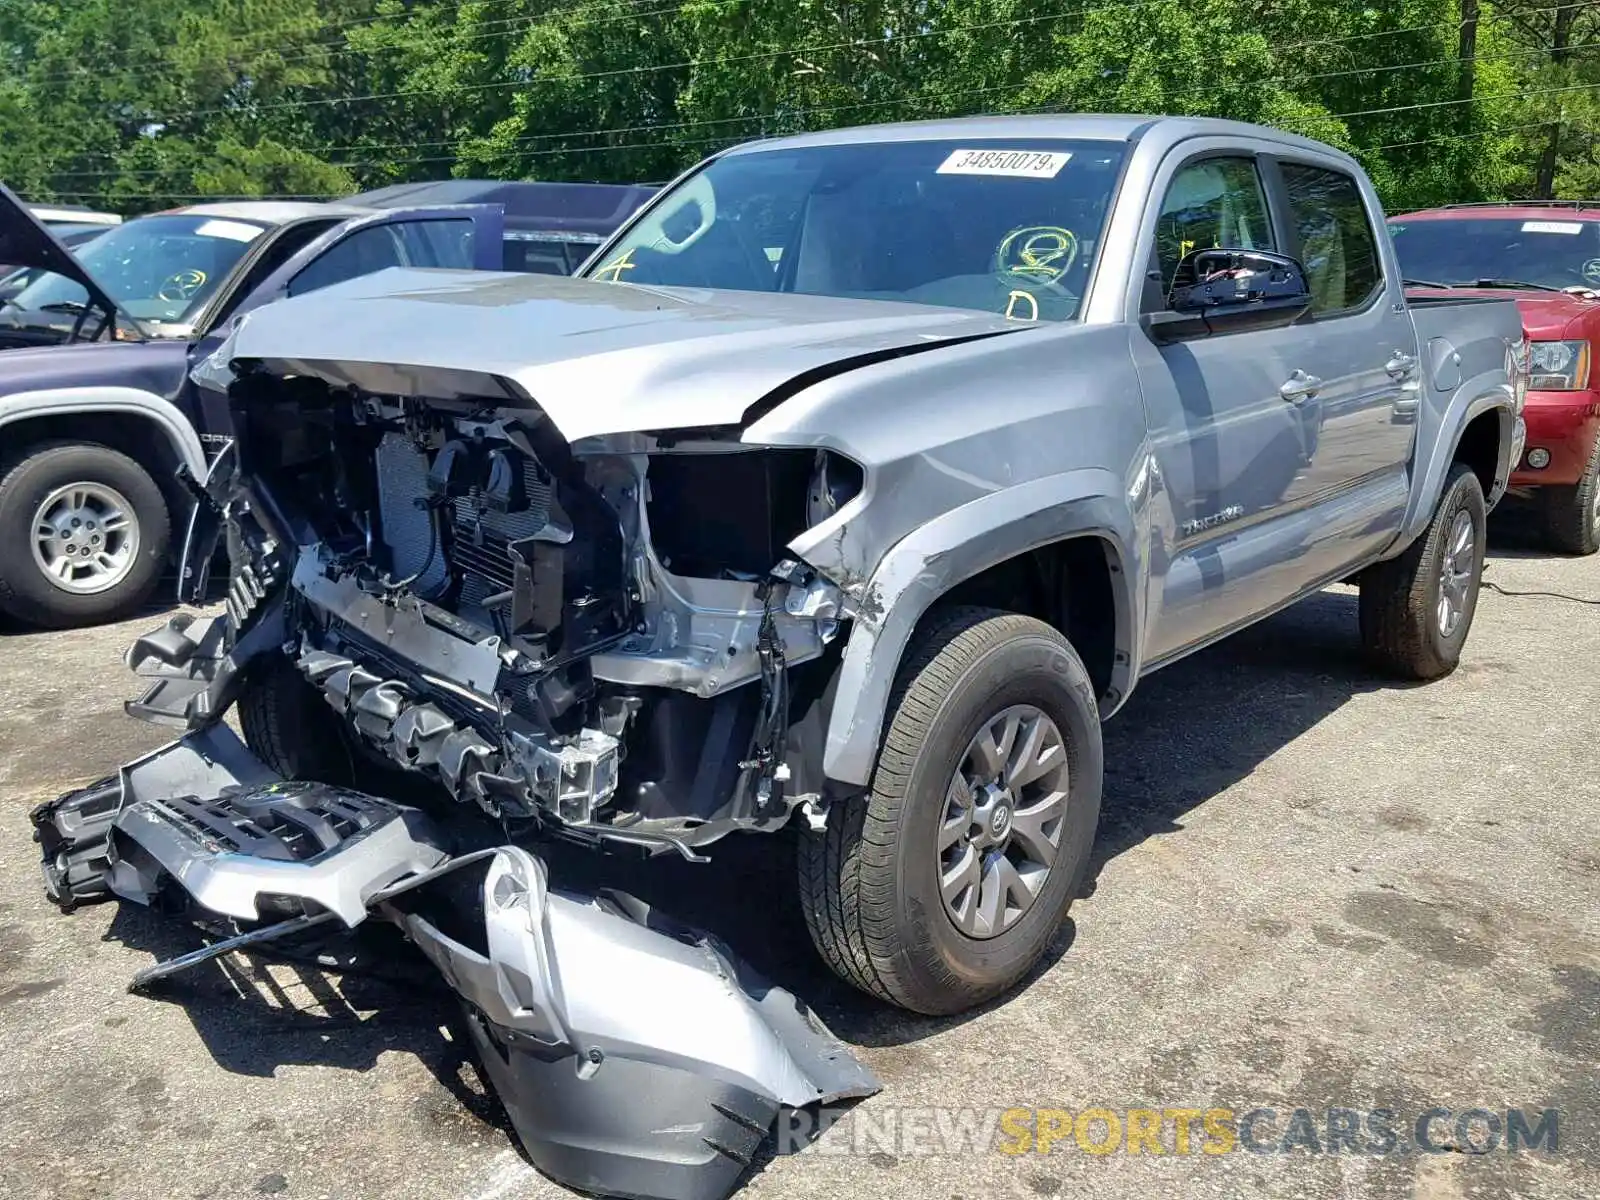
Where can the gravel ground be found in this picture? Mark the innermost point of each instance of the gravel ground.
(1313, 890)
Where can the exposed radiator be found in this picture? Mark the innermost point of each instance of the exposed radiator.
(408, 530)
(481, 536)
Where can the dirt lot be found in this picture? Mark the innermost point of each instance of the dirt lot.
(1313, 890)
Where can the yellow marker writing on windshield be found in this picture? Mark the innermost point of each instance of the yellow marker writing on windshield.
(1042, 253)
(612, 271)
(1011, 304)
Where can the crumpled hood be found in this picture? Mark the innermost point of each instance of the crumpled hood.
(597, 358)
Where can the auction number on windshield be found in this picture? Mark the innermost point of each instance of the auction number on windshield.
(1022, 164)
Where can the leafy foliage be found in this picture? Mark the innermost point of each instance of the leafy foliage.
(136, 104)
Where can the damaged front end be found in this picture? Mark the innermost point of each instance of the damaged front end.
(608, 641)
(606, 644)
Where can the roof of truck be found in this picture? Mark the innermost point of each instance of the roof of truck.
(1119, 127)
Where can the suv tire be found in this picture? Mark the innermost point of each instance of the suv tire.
(1572, 513)
(106, 514)
(871, 882)
(1417, 609)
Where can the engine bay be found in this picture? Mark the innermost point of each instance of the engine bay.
(614, 644)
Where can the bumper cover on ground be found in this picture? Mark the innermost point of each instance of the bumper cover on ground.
(636, 1057)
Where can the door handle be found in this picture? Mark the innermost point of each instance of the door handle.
(1299, 387)
(1400, 364)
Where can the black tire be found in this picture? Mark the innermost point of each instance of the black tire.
(869, 884)
(289, 726)
(1572, 513)
(1401, 626)
(26, 591)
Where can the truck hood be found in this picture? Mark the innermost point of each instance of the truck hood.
(1552, 316)
(597, 358)
(26, 242)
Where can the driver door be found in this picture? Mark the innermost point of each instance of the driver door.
(1234, 455)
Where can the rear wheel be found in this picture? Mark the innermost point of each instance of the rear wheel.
(1417, 609)
(83, 535)
(949, 880)
(1572, 514)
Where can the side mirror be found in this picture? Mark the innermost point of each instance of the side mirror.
(1230, 291)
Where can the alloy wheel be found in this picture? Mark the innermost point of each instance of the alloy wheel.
(1003, 816)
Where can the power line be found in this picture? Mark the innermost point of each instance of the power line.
(337, 46)
(656, 68)
(195, 196)
(1458, 137)
(1284, 47)
(815, 110)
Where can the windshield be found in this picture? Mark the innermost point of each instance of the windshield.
(155, 268)
(1556, 253)
(1007, 227)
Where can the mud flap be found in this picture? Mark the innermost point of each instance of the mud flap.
(636, 1057)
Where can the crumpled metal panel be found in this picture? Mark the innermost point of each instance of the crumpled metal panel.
(636, 1057)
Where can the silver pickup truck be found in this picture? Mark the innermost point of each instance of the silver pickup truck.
(854, 483)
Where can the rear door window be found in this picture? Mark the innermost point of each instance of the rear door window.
(1337, 245)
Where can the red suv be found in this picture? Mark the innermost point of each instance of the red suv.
(1549, 254)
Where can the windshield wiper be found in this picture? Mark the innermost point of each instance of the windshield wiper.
(65, 306)
(1511, 283)
(1518, 284)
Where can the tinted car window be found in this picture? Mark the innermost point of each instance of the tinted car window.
(437, 243)
(1337, 246)
(546, 255)
(1003, 227)
(445, 243)
(1553, 251)
(1213, 202)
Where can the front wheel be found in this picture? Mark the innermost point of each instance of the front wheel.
(1572, 514)
(949, 880)
(83, 535)
(1416, 609)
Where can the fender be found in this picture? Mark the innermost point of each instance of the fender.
(166, 416)
(954, 547)
(1438, 436)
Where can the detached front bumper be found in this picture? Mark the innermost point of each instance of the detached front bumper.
(637, 1057)
(1563, 425)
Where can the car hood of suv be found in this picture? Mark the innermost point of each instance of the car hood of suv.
(1551, 315)
(596, 358)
